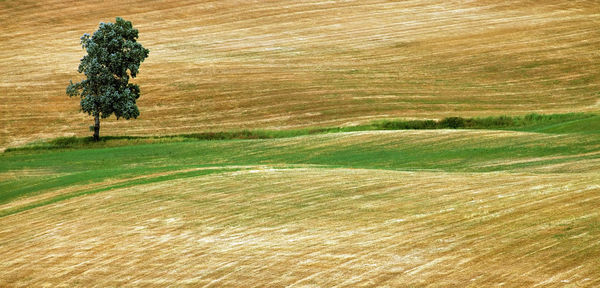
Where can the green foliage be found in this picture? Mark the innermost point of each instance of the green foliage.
(490, 122)
(577, 122)
(401, 125)
(113, 57)
(452, 122)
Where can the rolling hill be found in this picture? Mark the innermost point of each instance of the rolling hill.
(220, 65)
(288, 165)
(368, 208)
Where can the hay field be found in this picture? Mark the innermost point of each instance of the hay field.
(371, 208)
(217, 65)
(315, 227)
(447, 207)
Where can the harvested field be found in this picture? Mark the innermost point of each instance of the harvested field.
(370, 208)
(218, 65)
(315, 227)
(306, 203)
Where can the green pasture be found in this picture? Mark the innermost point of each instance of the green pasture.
(27, 172)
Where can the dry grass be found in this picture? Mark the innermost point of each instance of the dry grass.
(219, 65)
(308, 227)
(48, 194)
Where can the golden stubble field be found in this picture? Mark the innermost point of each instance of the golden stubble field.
(281, 224)
(218, 65)
(315, 227)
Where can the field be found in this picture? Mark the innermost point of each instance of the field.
(220, 65)
(334, 182)
(448, 207)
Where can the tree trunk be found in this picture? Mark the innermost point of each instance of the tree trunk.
(96, 127)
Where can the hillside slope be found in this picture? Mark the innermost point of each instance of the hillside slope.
(474, 208)
(298, 228)
(218, 65)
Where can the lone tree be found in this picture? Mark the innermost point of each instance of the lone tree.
(113, 56)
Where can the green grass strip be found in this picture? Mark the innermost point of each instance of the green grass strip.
(584, 123)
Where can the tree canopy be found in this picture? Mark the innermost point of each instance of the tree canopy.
(113, 57)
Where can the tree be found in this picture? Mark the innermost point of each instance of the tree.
(113, 56)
